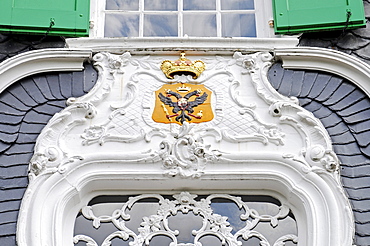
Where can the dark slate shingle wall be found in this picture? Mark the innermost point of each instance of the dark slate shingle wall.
(344, 110)
(25, 108)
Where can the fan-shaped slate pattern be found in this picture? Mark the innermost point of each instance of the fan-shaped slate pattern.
(25, 108)
(344, 110)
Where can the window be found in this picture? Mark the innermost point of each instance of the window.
(185, 218)
(181, 18)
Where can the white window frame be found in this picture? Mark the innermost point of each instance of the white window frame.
(263, 16)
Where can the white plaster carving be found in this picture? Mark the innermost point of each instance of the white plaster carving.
(216, 225)
(258, 140)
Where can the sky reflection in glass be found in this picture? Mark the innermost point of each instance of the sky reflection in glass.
(160, 25)
(237, 4)
(238, 25)
(162, 5)
(122, 5)
(199, 5)
(121, 25)
(200, 25)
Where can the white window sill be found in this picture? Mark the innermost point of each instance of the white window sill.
(155, 44)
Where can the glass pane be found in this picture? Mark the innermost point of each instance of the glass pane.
(121, 25)
(168, 5)
(238, 25)
(160, 25)
(199, 5)
(200, 25)
(122, 5)
(237, 4)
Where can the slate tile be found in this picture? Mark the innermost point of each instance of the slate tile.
(356, 107)
(363, 138)
(365, 150)
(331, 86)
(12, 194)
(363, 32)
(358, 117)
(8, 217)
(348, 100)
(43, 85)
(11, 110)
(331, 120)
(308, 82)
(355, 171)
(54, 85)
(60, 103)
(275, 74)
(7, 119)
(339, 128)
(359, 127)
(350, 41)
(362, 218)
(4, 147)
(11, 183)
(344, 90)
(359, 194)
(363, 229)
(91, 76)
(22, 95)
(27, 137)
(78, 84)
(30, 87)
(298, 77)
(8, 229)
(8, 137)
(66, 84)
(14, 171)
(31, 128)
(357, 183)
(320, 83)
(10, 206)
(364, 52)
(8, 240)
(347, 149)
(304, 101)
(322, 112)
(13, 160)
(33, 117)
(20, 148)
(286, 83)
(313, 106)
(9, 128)
(13, 101)
(343, 138)
(47, 109)
(353, 160)
(362, 241)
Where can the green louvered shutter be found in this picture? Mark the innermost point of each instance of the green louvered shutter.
(55, 17)
(295, 16)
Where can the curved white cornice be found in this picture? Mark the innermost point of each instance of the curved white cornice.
(327, 60)
(38, 61)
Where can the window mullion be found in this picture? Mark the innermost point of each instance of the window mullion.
(141, 18)
(180, 18)
(218, 18)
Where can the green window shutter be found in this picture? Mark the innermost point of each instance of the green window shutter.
(55, 17)
(295, 16)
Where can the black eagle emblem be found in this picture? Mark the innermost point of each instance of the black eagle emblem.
(183, 107)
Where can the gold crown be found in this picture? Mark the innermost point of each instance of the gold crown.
(182, 66)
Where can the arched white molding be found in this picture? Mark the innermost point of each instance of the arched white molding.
(38, 61)
(53, 201)
(327, 60)
(259, 141)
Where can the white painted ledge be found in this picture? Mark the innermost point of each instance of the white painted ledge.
(39, 61)
(209, 45)
(327, 60)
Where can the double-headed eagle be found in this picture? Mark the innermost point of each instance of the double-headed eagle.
(183, 104)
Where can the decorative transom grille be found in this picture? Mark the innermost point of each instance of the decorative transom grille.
(185, 219)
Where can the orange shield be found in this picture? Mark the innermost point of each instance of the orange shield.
(179, 103)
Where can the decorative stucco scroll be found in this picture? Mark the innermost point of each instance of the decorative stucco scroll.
(116, 117)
